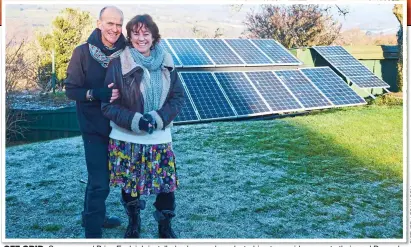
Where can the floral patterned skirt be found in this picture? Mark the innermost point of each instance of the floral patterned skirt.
(142, 168)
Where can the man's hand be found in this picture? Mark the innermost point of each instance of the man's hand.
(102, 94)
(115, 93)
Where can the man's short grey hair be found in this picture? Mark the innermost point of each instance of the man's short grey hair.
(110, 7)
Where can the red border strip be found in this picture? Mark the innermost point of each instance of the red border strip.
(408, 12)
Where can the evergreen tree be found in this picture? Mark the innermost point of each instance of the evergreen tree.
(69, 29)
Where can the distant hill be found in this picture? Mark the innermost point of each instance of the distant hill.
(178, 20)
(173, 20)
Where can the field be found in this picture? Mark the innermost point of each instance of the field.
(333, 174)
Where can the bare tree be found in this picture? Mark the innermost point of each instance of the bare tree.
(294, 26)
(18, 69)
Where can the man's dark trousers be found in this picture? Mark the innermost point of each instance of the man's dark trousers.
(96, 148)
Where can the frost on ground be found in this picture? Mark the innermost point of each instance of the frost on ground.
(226, 191)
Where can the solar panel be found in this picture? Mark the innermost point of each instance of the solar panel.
(303, 89)
(187, 113)
(368, 82)
(275, 51)
(190, 53)
(343, 61)
(331, 51)
(248, 52)
(207, 95)
(241, 93)
(273, 91)
(350, 67)
(164, 45)
(219, 52)
(350, 71)
(333, 86)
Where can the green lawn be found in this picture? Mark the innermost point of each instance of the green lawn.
(332, 174)
(358, 137)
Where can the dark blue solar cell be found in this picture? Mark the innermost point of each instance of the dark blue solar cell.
(350, 71)
(219, 52)
(303, 89)
(369, 82)
(241, 93)
(248, 52)
(190, 53)
(165, 46)
(207, 95)
(333, 86)
(273, 91)
(326, 51)
(187, 113)
(275, 51)
(343, 61)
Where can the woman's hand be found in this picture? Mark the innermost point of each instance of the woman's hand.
(147, 123)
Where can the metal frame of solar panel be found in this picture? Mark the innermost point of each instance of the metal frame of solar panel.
(337, 56)
(207, 96)
(275, 50)
(333, 86)
(307, 93)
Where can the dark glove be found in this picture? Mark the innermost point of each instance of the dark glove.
(147, 123)
(103, 94)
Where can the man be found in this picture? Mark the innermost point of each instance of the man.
(85, 84)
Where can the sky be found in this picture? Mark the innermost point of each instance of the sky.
(178, 20)
(377, 17)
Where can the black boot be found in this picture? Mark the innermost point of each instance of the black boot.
(134, 221)
(164, 223)
(109, 221)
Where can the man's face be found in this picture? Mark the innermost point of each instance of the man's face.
(110, 24)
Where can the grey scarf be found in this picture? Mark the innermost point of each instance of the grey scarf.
(152, 77)
(102, 58)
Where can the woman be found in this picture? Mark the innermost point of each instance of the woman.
(141, 158)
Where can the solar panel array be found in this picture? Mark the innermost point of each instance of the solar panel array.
(189, 53)
(350, 67)
(219, 95)
(234, 94)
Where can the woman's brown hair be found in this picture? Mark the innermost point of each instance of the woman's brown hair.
(146, 21)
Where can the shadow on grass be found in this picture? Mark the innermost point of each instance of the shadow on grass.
(319, 179)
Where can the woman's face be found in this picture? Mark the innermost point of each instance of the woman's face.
(141, 39)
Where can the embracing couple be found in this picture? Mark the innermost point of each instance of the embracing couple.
(127, 94)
